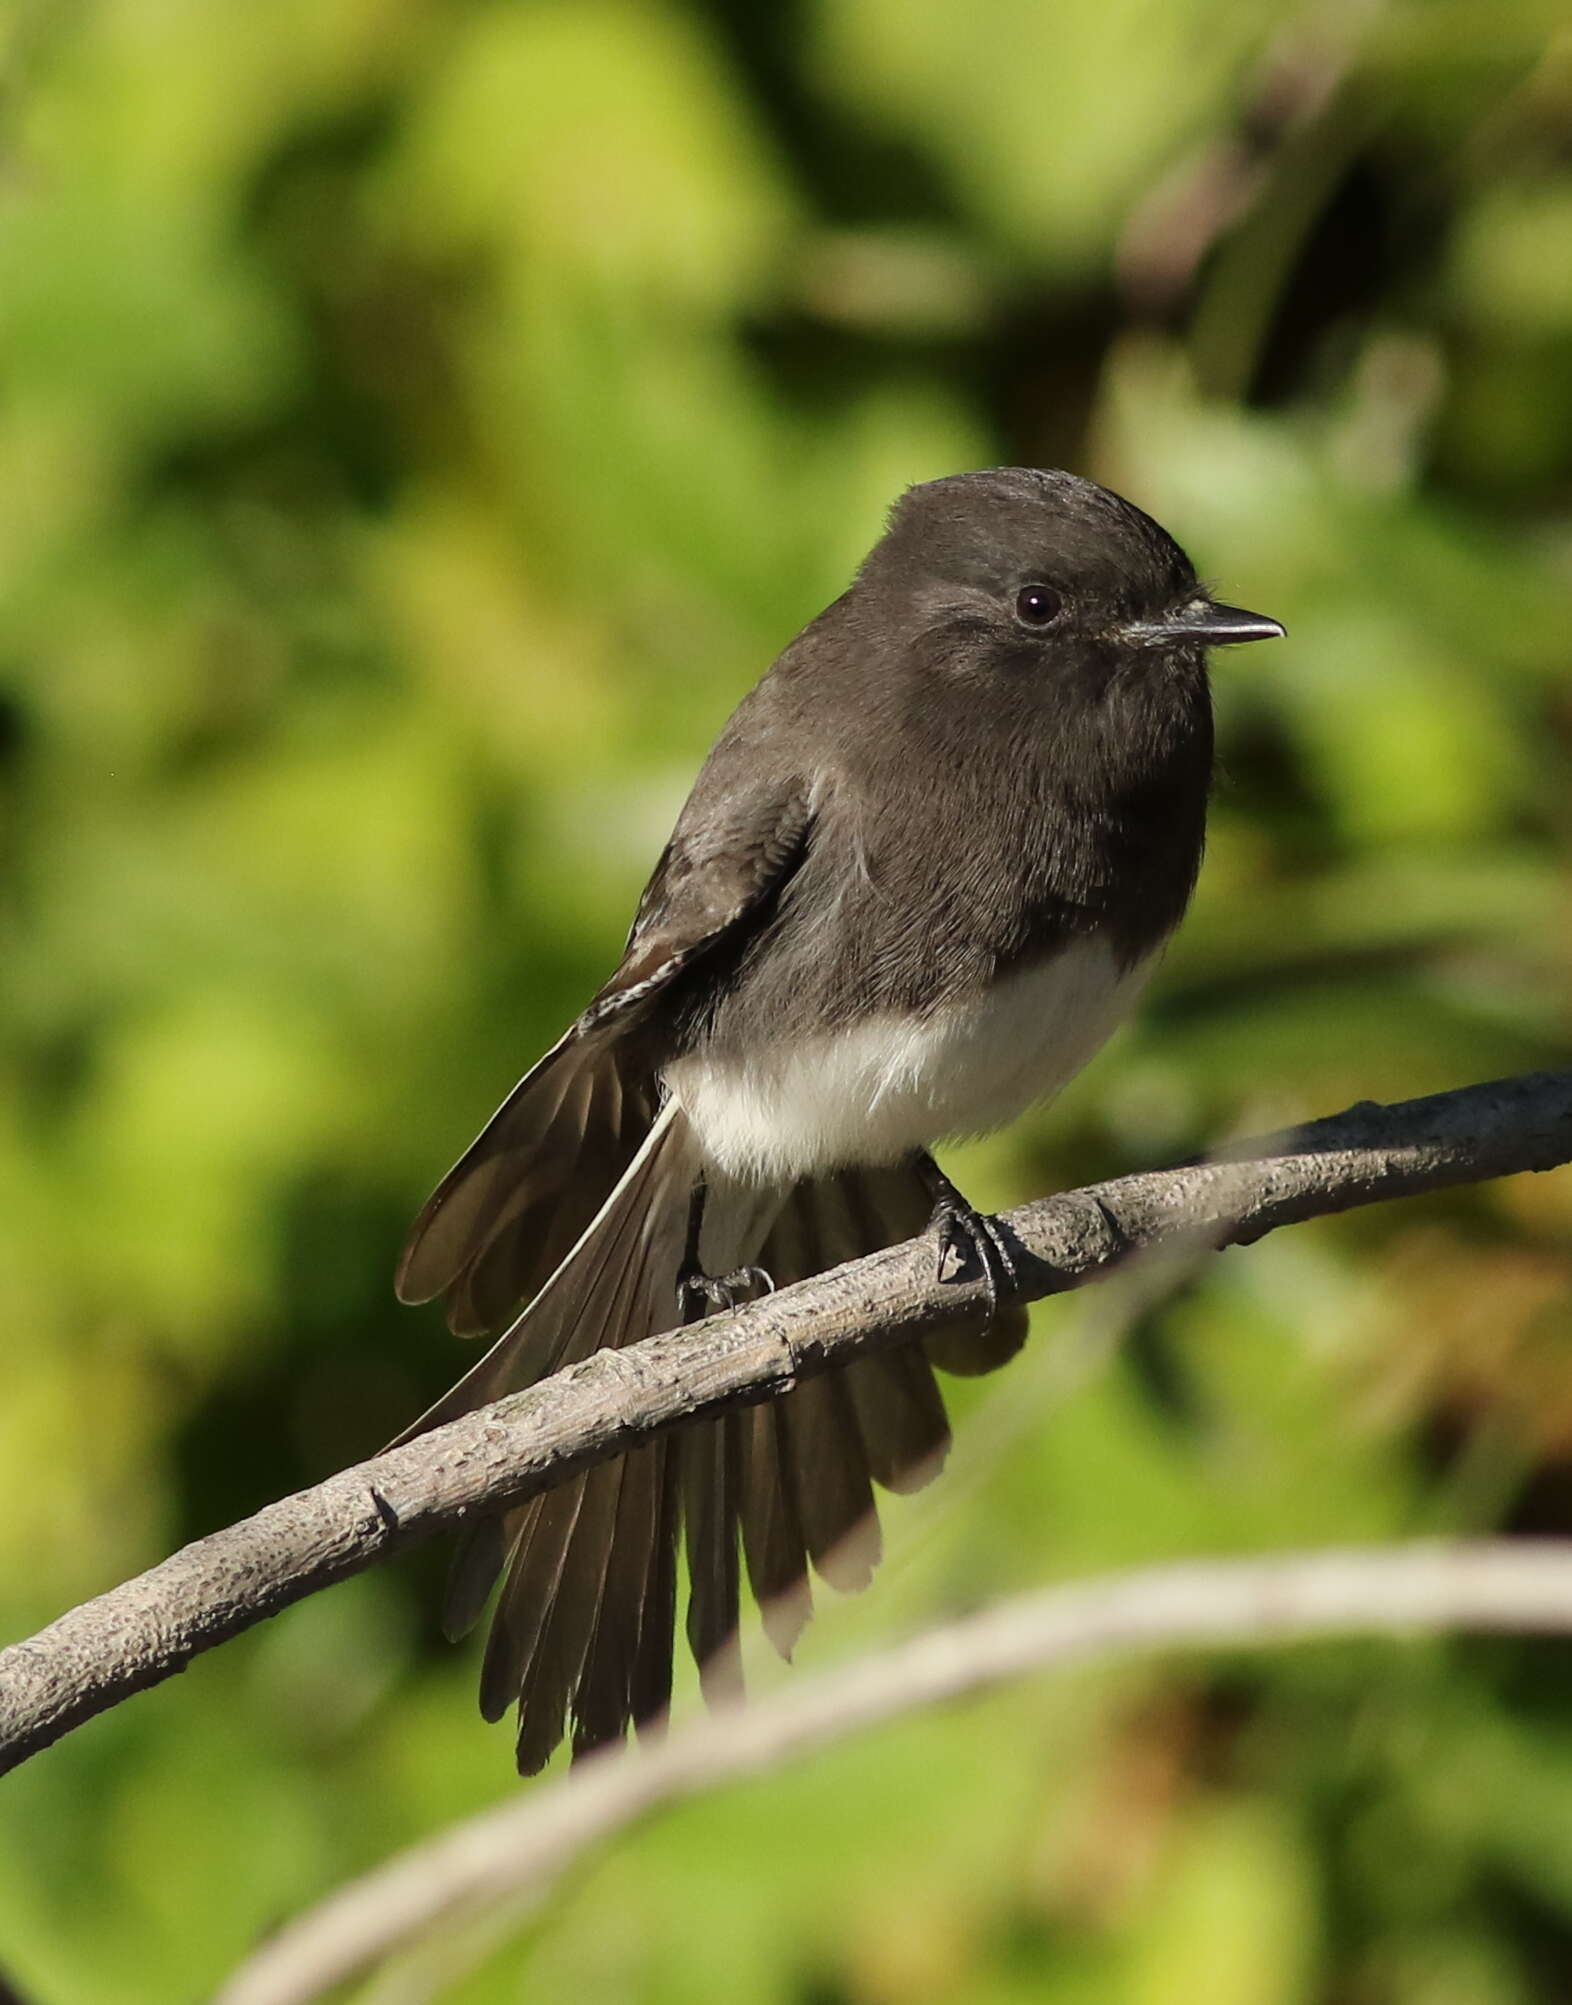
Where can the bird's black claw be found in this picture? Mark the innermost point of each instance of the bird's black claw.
(700, 1294)
(971, 1238)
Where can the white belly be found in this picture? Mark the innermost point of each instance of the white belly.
(874, 1092)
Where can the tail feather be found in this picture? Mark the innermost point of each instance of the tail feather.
(772, 1537)
(598, 1139)
(571, 1315)
(507, 1214)
(649, 1689)
(461, 1216)
(525, 1204)
(582, 1657)
(604, 1700)
(479, 1555)
(535, 1570)
(549, 1679)
(827, 1458)
(900, 1410)
(568, 1616)
(824, 1227)
(710, 1457)
(834, 1489)
(578, 1194)
(879, 1420)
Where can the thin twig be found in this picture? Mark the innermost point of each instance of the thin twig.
(515, 1854)
(140, 1633)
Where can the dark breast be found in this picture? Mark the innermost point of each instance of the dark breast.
(965, 844)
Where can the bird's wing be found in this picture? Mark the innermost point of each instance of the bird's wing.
(724, 862)
(518, 1199)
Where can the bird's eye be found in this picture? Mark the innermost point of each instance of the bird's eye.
(1037, 605)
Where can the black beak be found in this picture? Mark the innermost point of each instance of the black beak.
(1204, 621)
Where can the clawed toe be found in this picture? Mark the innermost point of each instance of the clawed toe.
(700, 1294)
(974, 1239)
(970, 1237)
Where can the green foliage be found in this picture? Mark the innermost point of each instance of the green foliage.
(421, 423)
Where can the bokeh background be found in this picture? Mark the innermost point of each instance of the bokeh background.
(420, 421)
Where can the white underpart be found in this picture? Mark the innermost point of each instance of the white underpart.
(874, 1091)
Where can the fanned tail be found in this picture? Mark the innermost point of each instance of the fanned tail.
(585, 1617)
(810, 1461)
(583, 1632)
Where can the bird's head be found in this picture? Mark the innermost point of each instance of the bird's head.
(1022, 571)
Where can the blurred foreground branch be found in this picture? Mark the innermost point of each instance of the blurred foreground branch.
(140, 1633)
(512, 1856)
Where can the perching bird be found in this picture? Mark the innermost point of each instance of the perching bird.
(925, 871)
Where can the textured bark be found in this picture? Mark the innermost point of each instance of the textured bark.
(138, 1634)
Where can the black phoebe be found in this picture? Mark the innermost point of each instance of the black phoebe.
(924, 872)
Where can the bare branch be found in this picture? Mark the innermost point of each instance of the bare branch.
(140, 1633)
(515, 1854)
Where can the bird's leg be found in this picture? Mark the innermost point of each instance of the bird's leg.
(970, 1235)
(700, 1294)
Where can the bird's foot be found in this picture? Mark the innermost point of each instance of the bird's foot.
(968, 1236)
(700, 1294)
